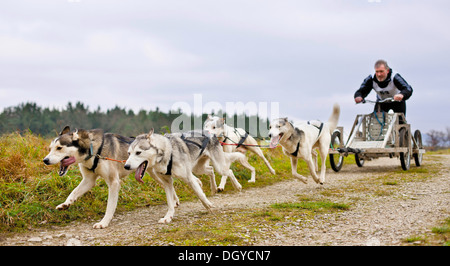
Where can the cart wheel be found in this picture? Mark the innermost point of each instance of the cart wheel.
(359, 160)
(336, 160)
(418, 156)
(405, 158)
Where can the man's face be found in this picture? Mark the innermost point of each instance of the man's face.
(381, 72)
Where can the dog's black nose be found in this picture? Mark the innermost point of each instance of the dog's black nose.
(127, 167)
(270, 135)
(47, 161)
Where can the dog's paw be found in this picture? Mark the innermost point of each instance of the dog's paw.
(272, 172)
(219, 189)
(165, 220)
(63, 206)
(100, 225)
(252, 181)
(303, 179)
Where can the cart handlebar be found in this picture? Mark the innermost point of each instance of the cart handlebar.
(387, 100)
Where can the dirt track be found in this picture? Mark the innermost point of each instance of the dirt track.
(411, 209)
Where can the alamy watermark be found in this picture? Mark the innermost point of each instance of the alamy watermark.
(247, 117)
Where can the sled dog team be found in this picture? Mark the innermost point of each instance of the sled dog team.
(183, 156)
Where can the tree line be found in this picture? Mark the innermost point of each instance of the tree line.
(48, 122)
(437, 139)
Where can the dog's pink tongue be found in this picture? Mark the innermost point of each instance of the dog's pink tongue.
(274, 142)
(138, 174)
(68, 161)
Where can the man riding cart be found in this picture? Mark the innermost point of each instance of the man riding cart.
(387, 84)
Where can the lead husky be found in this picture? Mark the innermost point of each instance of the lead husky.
(298, 141)
(86, 147)
(230, 135)
(180, 155)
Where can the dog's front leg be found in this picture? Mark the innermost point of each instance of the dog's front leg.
(113, 197)
(171, 202)
(85, 185)
(159, 180)
(294, 161)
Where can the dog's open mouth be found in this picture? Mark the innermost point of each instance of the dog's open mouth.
(274, 141)
(65, 163)
(140, 172)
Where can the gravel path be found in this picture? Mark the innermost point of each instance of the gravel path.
(412, 208)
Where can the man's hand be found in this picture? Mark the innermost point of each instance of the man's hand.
(358, 99)
(398, 97)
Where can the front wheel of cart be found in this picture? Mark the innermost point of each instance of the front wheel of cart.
(336, 160)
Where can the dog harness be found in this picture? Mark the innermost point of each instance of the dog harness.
(241, 141)
(97, 156)
(202, 147)
(183, 137)
(296, 150)
(169, 166)
(318, 127)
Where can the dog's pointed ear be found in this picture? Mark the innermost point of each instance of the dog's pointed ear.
(209, 117)
(285, 119)
(150, 133)
(65, 130)
(75, 136)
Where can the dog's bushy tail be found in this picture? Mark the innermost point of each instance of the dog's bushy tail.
(334, 118)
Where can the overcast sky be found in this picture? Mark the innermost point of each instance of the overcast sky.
(144, 54)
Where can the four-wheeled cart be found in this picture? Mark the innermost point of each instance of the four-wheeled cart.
(375, 135)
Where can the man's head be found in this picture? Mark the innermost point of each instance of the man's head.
(381, 70)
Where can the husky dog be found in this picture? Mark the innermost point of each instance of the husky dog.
(229, 135)
(180, 156)
(86, 148)
(298, 141)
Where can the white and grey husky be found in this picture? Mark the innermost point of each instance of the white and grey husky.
(86, 148)
(180, 156)
(299, 140)
(235, 139)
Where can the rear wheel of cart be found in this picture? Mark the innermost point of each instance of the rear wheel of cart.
(418, 156)
(359, 160)
(405, 157)
(336, 160)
